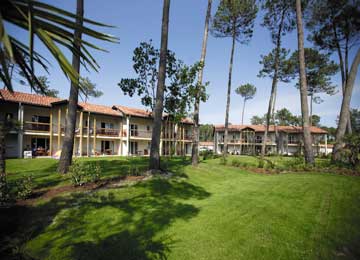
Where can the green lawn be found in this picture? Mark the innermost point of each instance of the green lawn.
(209, 212)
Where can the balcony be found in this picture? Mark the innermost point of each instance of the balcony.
(140, 134)
(188, 137)
(107, 131)
(37, 126)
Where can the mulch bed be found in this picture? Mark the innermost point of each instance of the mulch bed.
(102, 184)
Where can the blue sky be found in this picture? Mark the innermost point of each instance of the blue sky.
(140, 20)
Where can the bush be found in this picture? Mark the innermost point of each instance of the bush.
(134, 171)
(207, 154)
(261, 163)
(223, 160)
(84, 172)
(24, 187)
(5, 194)
(235, 163)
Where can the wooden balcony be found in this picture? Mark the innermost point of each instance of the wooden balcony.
(140, 133)
(107, 131)
(36, 126)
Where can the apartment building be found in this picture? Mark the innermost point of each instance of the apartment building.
(100, 130)
(248, 139)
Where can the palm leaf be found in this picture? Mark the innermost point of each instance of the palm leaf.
(54, 27)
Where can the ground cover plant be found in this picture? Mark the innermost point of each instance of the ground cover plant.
(212, 211)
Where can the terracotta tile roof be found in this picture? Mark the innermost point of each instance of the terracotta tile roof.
(99, 109)
(261, 128)
(134, 111)
(26, 98)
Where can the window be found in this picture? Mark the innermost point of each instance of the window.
(40, 119)
(133, 148)
(107, 147)
(9, 116)
(292, 139)
(148, 128)
(133, 130)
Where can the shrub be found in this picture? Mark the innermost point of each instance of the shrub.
(5, 194)
(223, 160)
(235, 163)
(261, 163)
(24, 187)
(84, 172)
(207, 154)
(134, 171)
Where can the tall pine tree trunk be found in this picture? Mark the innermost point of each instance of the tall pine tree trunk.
(271, 106)
(154, 161)
(311, 108)
(308, 152)
(68, 144)
(242, 114)
(195, 146)
(345, 107)
(228, 97)
(2, 155)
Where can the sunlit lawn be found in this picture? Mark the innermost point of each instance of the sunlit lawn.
(211, 212)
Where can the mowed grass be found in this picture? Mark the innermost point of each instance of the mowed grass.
(209, 212)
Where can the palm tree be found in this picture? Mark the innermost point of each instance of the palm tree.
(154, 162)
(68, 144)
(54, 27)
(195, 146)
(235, 19)
(247, 91)
(308, 152)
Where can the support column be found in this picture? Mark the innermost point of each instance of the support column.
(88, 136)
(120, 136)
(20, 132)
(94, 144)
(128, 135)
(326, 147)
(81, 133)
(51, 132)
(59, 129)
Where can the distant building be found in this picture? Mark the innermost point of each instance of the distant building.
(100, 130)
(248, 139)
(206, 146)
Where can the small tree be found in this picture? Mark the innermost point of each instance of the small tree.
(235, 19)
(89, 89)
(180, 85)
(258, 120)
(247, 91)
(319, 70)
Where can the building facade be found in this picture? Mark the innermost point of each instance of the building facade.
(248, 139)
(100, 130)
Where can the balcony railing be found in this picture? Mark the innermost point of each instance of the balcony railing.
(37, 126)
(107, 131)
(188, 137)
(293, 141)
(140, 133)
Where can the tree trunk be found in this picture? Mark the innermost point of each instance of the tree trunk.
(271, 106)
(228, 97)
(308, 152)
(195, 146)
(311, 108)
(2, 156)
(242, 116)
(345, 107)
(154, 161)
(343, 70)
(68, 144)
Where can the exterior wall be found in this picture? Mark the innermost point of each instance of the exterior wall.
(289, 143)
(52, 133)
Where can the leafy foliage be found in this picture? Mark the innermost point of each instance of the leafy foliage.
(206, 132)
(319, 69)
(55, 29)
(89, 89)
(24, 187)
(284, 72)
(84, 172)
(247, 91)
(181, 85)
(235, 18)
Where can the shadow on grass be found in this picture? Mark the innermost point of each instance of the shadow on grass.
(108, 224)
